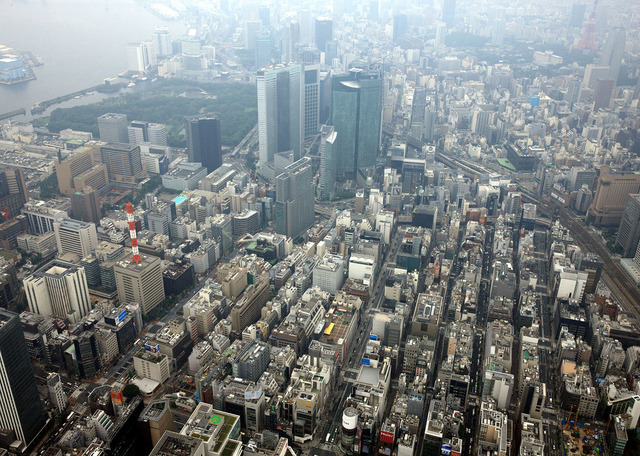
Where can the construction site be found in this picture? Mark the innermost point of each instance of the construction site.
(580, 438)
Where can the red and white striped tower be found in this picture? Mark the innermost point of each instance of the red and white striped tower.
(132, 232)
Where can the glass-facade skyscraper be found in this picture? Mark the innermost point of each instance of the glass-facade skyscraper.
(295, 199)
(204, 141)
(356, 115)
(280, 110)
(20, 407)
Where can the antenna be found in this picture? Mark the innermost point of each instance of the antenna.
(132, 233)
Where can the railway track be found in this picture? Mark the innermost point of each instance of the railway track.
(622, 288)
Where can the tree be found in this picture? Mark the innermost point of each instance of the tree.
(131, 391)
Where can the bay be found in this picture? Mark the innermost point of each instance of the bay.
(81, 42)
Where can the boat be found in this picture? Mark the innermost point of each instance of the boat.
(131, 84)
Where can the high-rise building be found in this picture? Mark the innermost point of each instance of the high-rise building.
(58, 289)
(157, 134)
(449, 13)
(56, 392)
(21, 409)
(124, 162)
(291, 42)
(13, 191)
(328, 161)
(74, 236)
(263, 49)
(574, 85)
(604, 89)
(113, 128)
(204, 141)
(324, 32)
(613, 52)
(141, 283)
(356, 115)
(80, 169)
(280, 110)
(141, 57)
(295, 198)
(577, 14)
(629, 230)
(252, 28)
(400, 26)
(162, 41)
(311, 100)
(86, 205)
(610, 199)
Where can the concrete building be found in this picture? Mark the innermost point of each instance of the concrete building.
(85, 205)
(612, 192)
(113, 128)
(328, 275)
(80, 169)
(152, 365)
(59, 289)
(74, 236)
(328, 162)
(124, 162)
(252, 361)
(186, 176)
(295, 197)
(56, 392)
(141, 283)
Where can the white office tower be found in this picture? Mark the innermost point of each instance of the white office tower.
(328, 162)
(113, 128)
(162, 41)
(141, 57)
(56, 392)
(280, 111)
(74, 236)
(60, 290)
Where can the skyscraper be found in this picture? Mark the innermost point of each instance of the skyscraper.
(400, 26)
(614, 51)
(291, 42)
(327, 161)
(204, 141)
(13, 191)
(449, 13)
(85, 205)
(20, 407)
(280, 110)
(324, 32)
(113, 128)
(58, 289)
(629, 230)
(263, 49)
(162, 41)
(311, 100)
(295, 198)
(577, 14)
(356, 115)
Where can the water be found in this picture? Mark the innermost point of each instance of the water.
(81, 43)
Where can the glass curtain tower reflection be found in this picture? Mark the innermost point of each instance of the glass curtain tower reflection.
(356, 115)
(21, 410)
(280, 110)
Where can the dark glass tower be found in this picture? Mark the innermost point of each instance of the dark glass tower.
(356, 115)
(324, 33)
(204, 141)
(20, 407)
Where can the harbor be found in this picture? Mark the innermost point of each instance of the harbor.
(17, 66)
